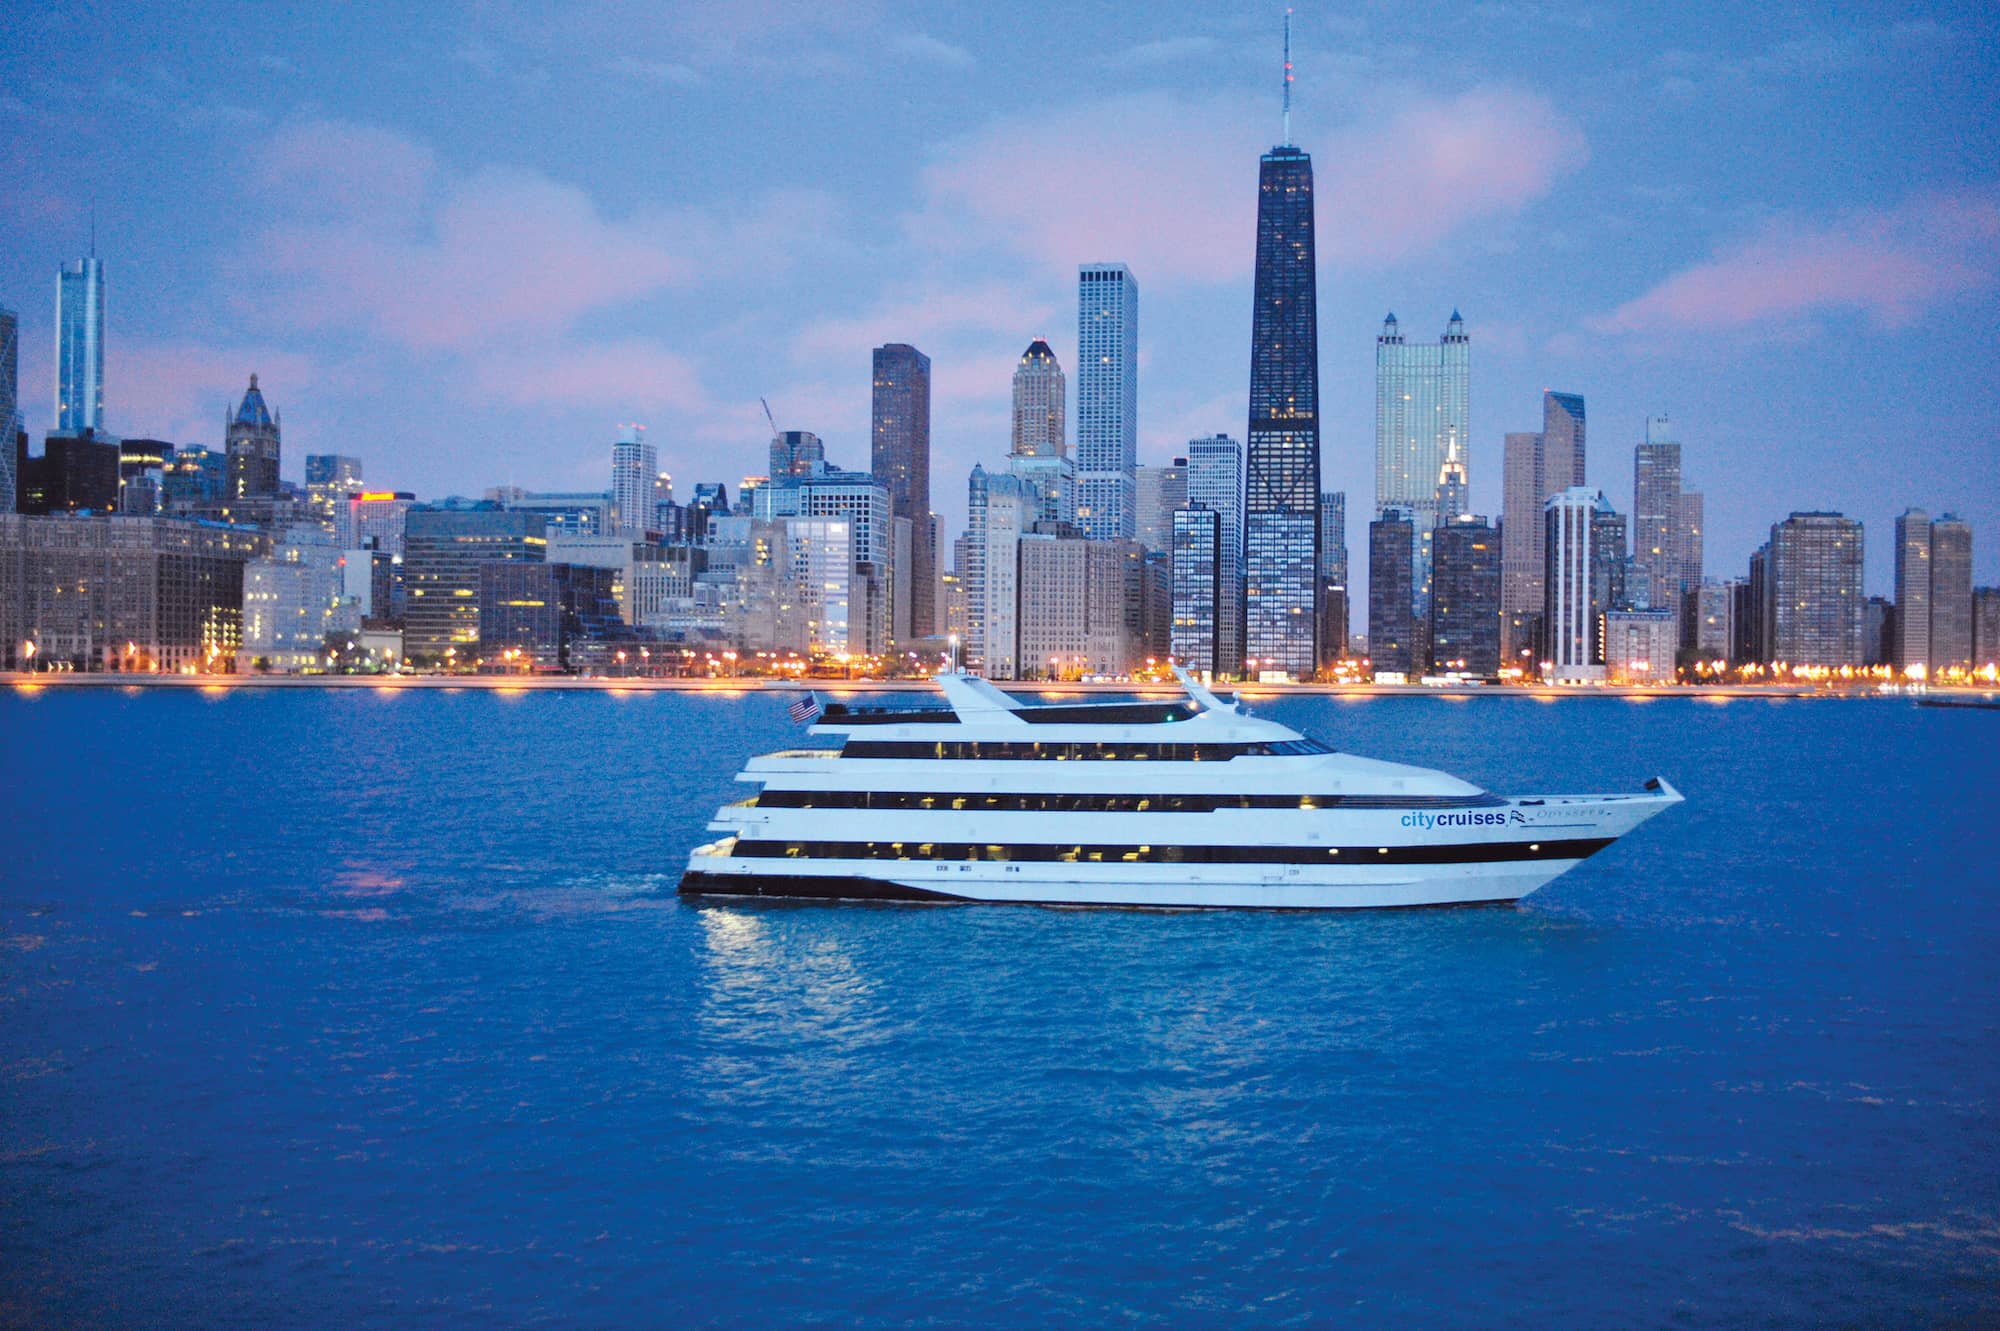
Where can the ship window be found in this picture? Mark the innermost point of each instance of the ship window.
(950, 851)
(1032, 801)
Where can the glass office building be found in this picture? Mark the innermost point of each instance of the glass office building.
(1107, 401)
(80, 346)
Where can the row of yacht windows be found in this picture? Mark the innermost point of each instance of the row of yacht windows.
(1471, 853)
(1053, 802)
(1012, 749)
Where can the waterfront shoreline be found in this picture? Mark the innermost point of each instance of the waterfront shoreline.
(518, 683)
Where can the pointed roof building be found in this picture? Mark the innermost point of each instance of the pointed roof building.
(251, 438)
(253, 412)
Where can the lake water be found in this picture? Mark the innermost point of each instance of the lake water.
(329, 1008)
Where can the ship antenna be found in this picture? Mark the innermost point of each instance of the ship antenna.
(1288, 77)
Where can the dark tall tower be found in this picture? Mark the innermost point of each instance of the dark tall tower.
(1392, 567)
(1465, 597)
(252, 441)
(900, 457)
(1281, 502)
(10, 398)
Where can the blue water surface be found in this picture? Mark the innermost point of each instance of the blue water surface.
(347, 1008)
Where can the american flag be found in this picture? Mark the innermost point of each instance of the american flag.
(806, 710)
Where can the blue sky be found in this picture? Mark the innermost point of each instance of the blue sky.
(465, 242)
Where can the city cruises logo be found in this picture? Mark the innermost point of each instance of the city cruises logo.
(1427, 821)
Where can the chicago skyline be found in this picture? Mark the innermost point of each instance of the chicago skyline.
(1639, 335)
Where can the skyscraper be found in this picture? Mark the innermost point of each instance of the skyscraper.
(1578, 585)
(1197, 549)
(1562, 441)
(900, 457)
(1010, 513)
(1656, 517)
(970, 559)
(1692, 521)
(635, 469)
(1912, 646)
(1986, 626)
(10, 402)
(1816, 602)
(1281, 499)
(1107, 400)
(1951, 595)
(1041, 403)
(1160, 490)
(1039, 454)
(251, 439)
(1465, 597)
(1333, 597)
(1666, 519)
(1610, 565)
(1521, 552)
(80, 346)
(1422, 412)
(1215, 482)
(1333, 536)
(1392, 561)
(1535, 468)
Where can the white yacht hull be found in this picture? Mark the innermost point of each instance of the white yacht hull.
(1571, 828)
(1454, 885)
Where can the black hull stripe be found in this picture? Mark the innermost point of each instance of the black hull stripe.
(1489, 852)
(813, 887)
(828, 887)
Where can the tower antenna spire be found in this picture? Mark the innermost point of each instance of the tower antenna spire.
(1288, 77)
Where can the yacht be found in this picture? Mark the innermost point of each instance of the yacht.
(1181, 802)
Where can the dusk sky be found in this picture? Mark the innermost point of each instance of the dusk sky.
(466, 242)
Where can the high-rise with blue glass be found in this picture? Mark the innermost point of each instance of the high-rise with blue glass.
(1281, 500)
(80, 346)
(1422, 421)
(1107, 401)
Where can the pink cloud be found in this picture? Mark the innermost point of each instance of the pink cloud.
(1397, 191)
(925, 318)
(1169, 184)
(1890, 265)
(378, 236)
(371, 232)
(636, 375)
